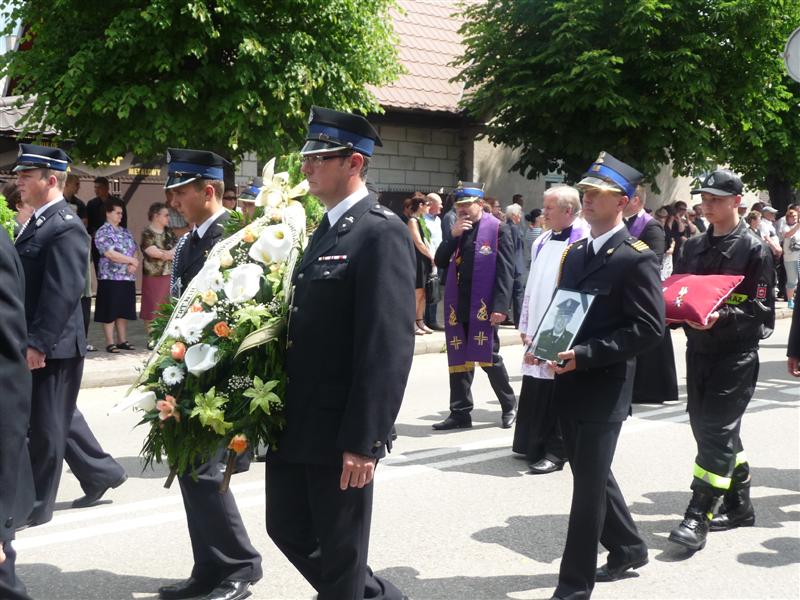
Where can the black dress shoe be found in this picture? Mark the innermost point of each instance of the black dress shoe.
(545, 466)
(230, 590)
(508, 418)
(608, 573)
(452, 422)
(91, 498)
(188, 588)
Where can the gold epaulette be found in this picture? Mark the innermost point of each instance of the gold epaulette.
(563, 260)
(638, 245)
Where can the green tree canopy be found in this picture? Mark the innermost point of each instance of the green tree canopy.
(231, 75)
(651, 81)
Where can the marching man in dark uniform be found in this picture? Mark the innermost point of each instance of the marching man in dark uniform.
(594, 379)
(722, 361)
(479, 260)
(17, 491)
(656, 380)
(53, 246)
(225, 561)
(350, 345)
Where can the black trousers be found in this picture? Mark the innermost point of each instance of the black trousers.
(94, 468)
(461, 383)
(598, 511)
(538, 433)
(719, 388)
(323, 531)
(220, 545)
(55, 392)
(11, 587)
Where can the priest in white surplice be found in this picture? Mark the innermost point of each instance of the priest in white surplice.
(537, 437)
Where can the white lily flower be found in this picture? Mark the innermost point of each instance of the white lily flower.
(243, 282)
(274, 198)
(301, 189)
(140, 398)
(172, 375)
(273, 245)
(268, 170)
(200, 358)
(280, 179)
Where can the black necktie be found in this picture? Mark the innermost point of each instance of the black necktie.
(323, 227)
(195, 239)
(589, 252)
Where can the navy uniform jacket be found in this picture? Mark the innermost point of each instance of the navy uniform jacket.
(53, 250)
(350, 338)
(16, 481)
(625, 319)
(504, 273)
(189, 259)
(750, 314)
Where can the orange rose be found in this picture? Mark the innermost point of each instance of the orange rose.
(168, 408)
(222, 329)
(238, 443)
(196, 307)
(178, 350)
(249, 236)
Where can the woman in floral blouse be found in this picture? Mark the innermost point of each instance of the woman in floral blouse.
(116, 278)
(158, 250)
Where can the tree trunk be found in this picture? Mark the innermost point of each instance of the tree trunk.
(781, 193)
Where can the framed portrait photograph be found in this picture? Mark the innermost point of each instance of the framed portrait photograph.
(560, 324)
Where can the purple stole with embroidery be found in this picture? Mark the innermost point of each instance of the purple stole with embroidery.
(462, 353)
(637, 227)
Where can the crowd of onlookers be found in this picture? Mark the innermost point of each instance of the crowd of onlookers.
(429, 222)
(116, 258)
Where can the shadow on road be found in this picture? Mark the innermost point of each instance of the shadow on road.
(485, 588)
(781, 552)
(47, 581)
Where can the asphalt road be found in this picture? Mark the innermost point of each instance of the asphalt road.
(455, 515)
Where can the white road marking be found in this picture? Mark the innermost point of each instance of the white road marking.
(395, 467)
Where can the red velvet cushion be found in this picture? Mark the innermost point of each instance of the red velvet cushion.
(694, 297)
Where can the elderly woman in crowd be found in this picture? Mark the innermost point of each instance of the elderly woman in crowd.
(753, 220)
(158, 250)
(421, 236)
(791, 253)
(116, 277)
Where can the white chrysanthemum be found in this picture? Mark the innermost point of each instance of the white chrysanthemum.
(209, 277)
(243, 283)
(191, 324)
(200, 358)
(273, 245)
(172, 375)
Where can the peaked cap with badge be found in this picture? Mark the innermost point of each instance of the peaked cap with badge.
(332, 131)
(184, 165)
(468, 191)
(721, 182)
(611, 174)
(32, 156)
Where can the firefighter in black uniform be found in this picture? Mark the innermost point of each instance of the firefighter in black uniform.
(349, 350)
(225, 561)
(722, 360)
(16, 480)
(594, 380)
(53, 246)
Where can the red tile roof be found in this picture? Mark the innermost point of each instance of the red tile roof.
(429, 41)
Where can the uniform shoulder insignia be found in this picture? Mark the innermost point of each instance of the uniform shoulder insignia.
(637, 245)
(381, 210)
(65, 214)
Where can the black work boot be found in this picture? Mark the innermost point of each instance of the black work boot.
(736, 509)
(693, 529)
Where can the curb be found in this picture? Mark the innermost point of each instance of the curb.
(107, 372)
